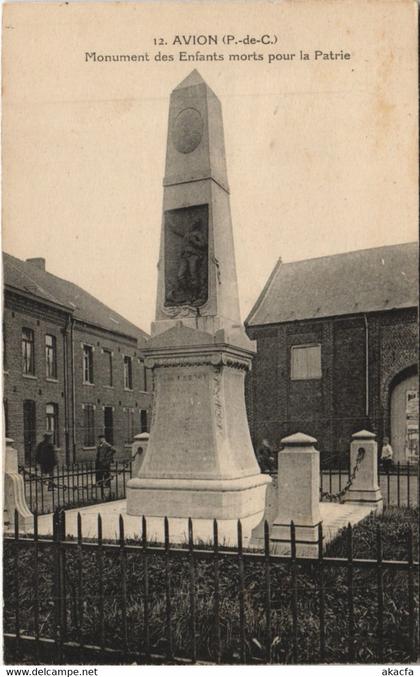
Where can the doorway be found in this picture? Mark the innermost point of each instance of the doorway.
(29, 431)
(109, 424)
(404, 419)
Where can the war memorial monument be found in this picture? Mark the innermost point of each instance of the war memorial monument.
(200, 462)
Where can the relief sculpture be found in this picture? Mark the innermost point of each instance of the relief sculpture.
(217, 399)
(186, 256)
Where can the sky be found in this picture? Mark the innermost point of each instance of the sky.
(321, 153)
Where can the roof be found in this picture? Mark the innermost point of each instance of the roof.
(29, 279)
(364, 281)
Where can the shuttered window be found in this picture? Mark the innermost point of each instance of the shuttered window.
(305, 362)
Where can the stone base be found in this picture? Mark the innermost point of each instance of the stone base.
(200, 462)
(202, 499)
(369, 497)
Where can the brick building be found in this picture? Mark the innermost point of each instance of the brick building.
(337, 350)
(71, 365)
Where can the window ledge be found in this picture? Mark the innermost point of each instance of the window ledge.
(31, 377)
(51, 380)
(128, 390)
(87, 383)
(6, 372)
(88, 448)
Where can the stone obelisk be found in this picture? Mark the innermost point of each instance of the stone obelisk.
(200, 461)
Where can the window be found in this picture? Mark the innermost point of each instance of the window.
(87, 364)
(89, 425)
(143, 421)
(108, 367)
(128, 426)
(143, 376)
(306, 362)
(51, 356)
(28, 350)
(51, 412)
(128, 373)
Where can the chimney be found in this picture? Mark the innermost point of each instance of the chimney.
(38, 262)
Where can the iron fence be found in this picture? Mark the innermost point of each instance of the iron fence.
(73, 486)
(146, 602)
(399, 485)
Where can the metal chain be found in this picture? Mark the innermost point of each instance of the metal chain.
(338, 496)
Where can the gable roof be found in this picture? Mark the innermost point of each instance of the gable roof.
(363, 281)
(29, 279)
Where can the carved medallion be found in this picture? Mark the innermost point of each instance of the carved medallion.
(187, 130)
(186, 257)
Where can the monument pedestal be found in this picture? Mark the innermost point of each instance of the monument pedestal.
(365, 488)
(200, 461)
(297, 499)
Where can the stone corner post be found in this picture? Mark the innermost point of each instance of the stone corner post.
(364, 454)
(14, 492)
(298, 496)
(138, 452)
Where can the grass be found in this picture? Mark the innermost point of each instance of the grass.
(83, 617)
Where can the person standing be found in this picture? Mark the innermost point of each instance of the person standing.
(386, 455)
(45, 456)
(265, 457)
(104, 456)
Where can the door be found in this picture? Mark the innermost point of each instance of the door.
(29, 431)
(404, 420)
(109, 424)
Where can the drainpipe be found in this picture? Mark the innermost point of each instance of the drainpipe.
(367, 365)
(66, 394)
(73, 389)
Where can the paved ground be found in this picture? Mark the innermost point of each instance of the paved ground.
(178, 527)
(334, 517)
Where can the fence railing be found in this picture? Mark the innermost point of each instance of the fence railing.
(144, 602)
(78, 485)
(399, 485)
(74, 485)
